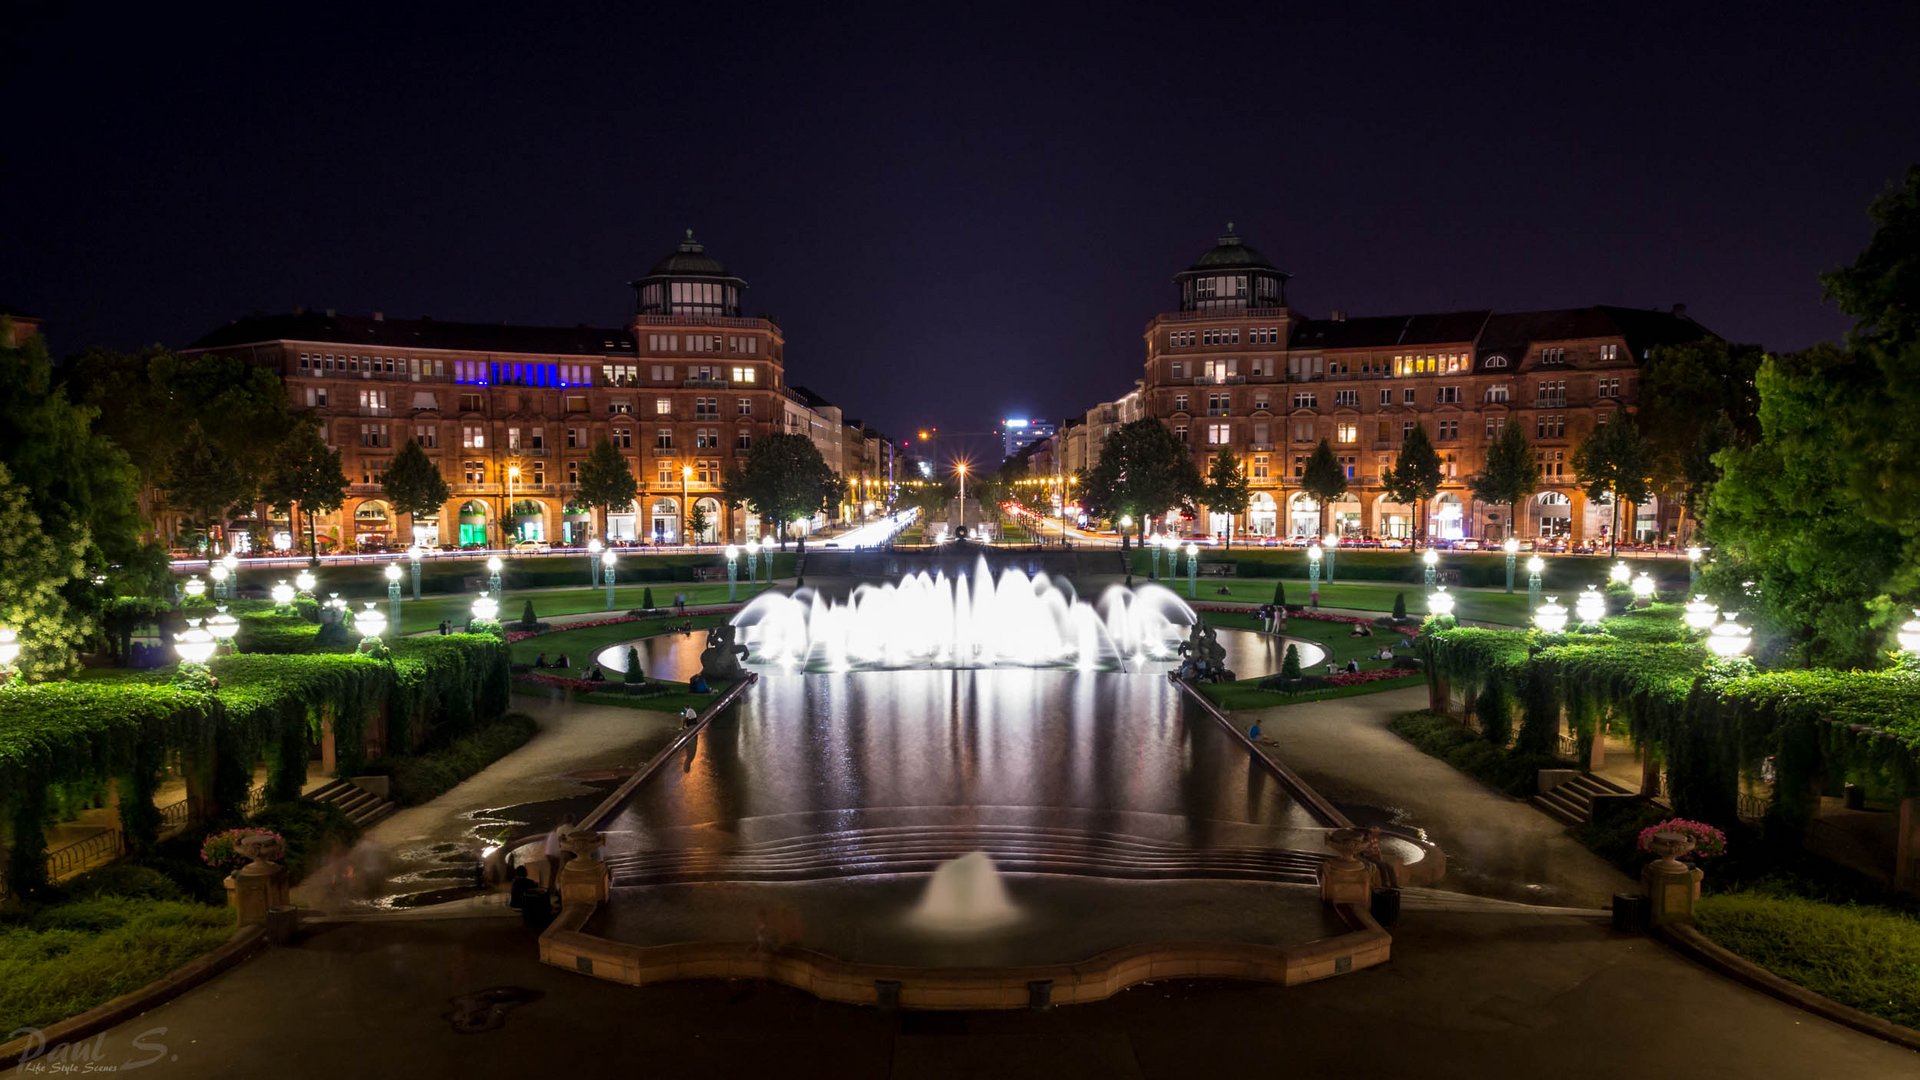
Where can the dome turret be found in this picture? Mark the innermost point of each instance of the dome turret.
(1231, 275)
(688, 281)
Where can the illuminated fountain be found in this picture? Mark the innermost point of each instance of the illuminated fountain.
(965, 895)
(967, 621)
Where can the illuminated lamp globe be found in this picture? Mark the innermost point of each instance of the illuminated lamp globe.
(1535, 564)
(1729, 639)
(1591, 607)
(1193, 550)
(1908, 635)
(393, 572)
(1620, 573)
(753, 546)
(766, 541)
(1694, 553)
(305, 581)
(1512, 546)
(607, 559)
(218, 574)
(1699, 613)
(194, 644)
(733, 552)
(494, 564)
(594, 545)
(230, 561)
(282, 594)
(1430, 557)
(223, 626)
(415, 551)
(1643, 587)
(1551, 617)
(9, 647)
(1316, 552)
(1126, 521)
(485, 608)
(1440, 602)
(370, 623)
(194, 587)
(1332, 540)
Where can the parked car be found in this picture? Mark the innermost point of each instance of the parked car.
(532, 547)
(1466, 544)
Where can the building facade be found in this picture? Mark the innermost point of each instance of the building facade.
(510, 413)
(1235, 367)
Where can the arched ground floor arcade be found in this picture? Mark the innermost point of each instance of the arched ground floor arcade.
(1558, 512)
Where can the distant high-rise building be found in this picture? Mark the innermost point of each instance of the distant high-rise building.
(1017, 434)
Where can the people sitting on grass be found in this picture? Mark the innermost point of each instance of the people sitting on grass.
(540, 661)
(563, 662)
(1385, 653)
(1360, 630)
(1353, 667)
(594, 674)
(698, 684)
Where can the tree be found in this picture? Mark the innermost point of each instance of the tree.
(634, 673)
(1290, 663)
(606, 482)
(1324, 479)
(204, 484)
(697, 522)
(1511, 473)
(307, 475)
(1144, 470)
(35, 567)
(1612, 464)
(1280, 594)
(1695, 399)
(1414, 476)
(413, 484)
(1227, 490)
(784, 479)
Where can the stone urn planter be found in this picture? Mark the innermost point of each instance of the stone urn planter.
(1672, 887)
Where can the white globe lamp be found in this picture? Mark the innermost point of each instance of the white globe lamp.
(1551, 617)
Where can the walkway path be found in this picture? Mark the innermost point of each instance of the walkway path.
(1496, 846)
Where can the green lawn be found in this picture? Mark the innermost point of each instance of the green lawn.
(1472, 605)
(63, 960)
(1865, 957)
(426, 612)
(1335, 637)
(582, 645)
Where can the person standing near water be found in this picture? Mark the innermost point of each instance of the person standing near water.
(553, 852)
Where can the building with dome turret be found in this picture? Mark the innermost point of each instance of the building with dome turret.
(682, 389)
(1235, 367)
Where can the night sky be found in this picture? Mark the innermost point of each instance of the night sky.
(957, 213)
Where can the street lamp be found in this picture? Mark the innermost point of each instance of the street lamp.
(686, 504)
(1729, 639)
(1333, 548)
(1551, 617)
(733, 573)
(494, 566)
(370, 624)
(1431, 560)
(1193, 570)
(509, 522)
(194, 588)
(1535, 564)
(231, 564)
(1440, 603)
(1314, 555)
(1908, 636)
(961, 468)
(223, 626)
(1591, 607)
(1643, 589)
(413, 554)
(606, 563)
(1699, 613)
(305, 581)
(485, 608)
(194, 644)
(282, 594)
(1694, 555)
(1512, 548)
(1619, 573)
(393, 593)
(219, 576)
(753, 560)
(594, 547)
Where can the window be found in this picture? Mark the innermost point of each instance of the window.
(373, 402)
(706, 439)
(1260, 365)
(744, 375)
(1497, 393)
(373, 470)
(1180, 432)
(1179, 403)
(1553, 356)
(471, 403)
(1260, 401)
(1305, 368)
(1346, 465)
(575, 403)
(1447, 395)
(706, 408)
(427, 435)
(668, 474)
(663, 439)
(1348, 398)
(621, 437)
(576, 438)
(1553, 464)
(1553, 393)
(619, 407)
(1260, 433)
(1549, 426)
(316, 397)
(1386, 397)
(1406, 396)
(1493, 428)
(1299, 466)
(617, 374)
(1609, 352)
(1306, 399)
(1450, 466)
(1449, 430)
(744, 406)
(1219, 404)
(743, 440)
(473, 436)
(707, 472)
(474, 472)
(539, 474)
(1177, 370)
(1303, 431)
(1406, 428)
(1384, 433)
(1346, 432)
(513, 438)
(1219, 434)
(1259, 466)
(573, 472)
(663, 406)
(1609, 388)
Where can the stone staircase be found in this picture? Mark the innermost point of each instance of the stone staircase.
(1014, 849)
(363, 806)
(1571, 801)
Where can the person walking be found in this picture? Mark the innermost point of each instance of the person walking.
(553, 852)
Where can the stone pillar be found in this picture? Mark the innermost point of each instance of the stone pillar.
(329, 754)
(1906, 851)
(1671, 887)
(1597, 754)
(260, 885)
(1366, 513)
(1577, 519)
(1344, 879)
(584, 879)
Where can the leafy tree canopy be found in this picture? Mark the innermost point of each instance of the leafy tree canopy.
(413, 483)
(1511, 473)
(1695, 399)
(1227, 489)
(307, 474)
(1324, 478)
(784, 479)
(37, 565)
(605, 480)
(1144, 470)
(1414, 476)
(1612, 465)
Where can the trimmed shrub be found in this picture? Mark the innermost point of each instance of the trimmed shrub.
(1290, 666)
(126, 880)
(635, 673)
(1279, 594)
(313, 832)
(529, 621)
(646, 598)
(1399, 607)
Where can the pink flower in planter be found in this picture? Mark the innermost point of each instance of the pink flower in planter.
(1707, 840)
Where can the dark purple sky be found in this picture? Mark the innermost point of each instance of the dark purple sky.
(956, 213)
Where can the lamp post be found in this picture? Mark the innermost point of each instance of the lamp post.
(1440, 603)
(370, 624)
(194, 588)
(753, 560)
(1193, 570)
(1535, 564)
(1908, 635)
(1332, 543)
(1699, 613)
(1591, 607)
(223, 627)
(231, 563)
(1694, 555)
(1620, 573)
(1729, 639)
(219, 575)
(305, 581)
(1431, 560)
(1155, 544)
(393, 594)
(961, 468)
(1314, 554)
(194, 644)
(485, 609)
(1512, 548)
(413, 555)
(282, 594)
(1550, 617)
(594, 547)
(733, 573)
(493, 574)
(1643, 590)
(606, 562)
